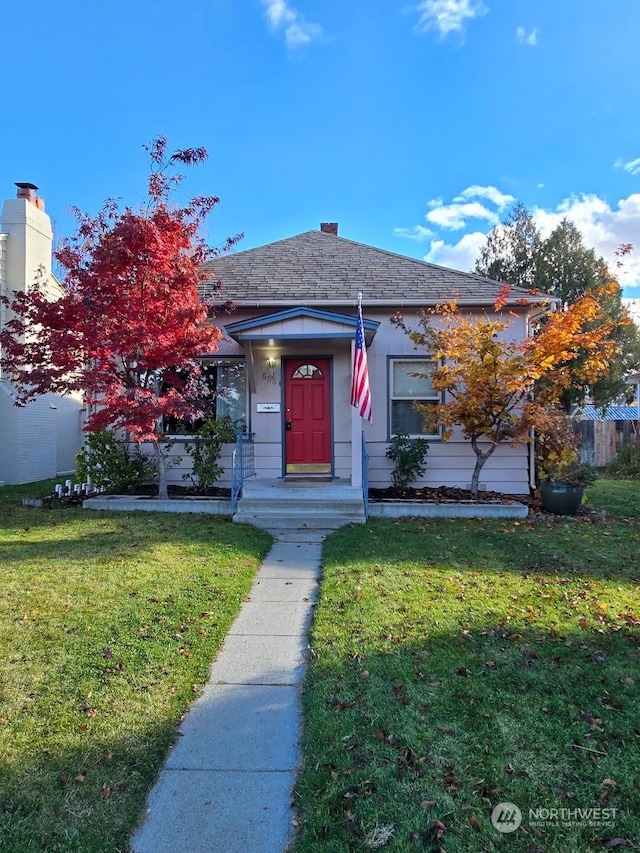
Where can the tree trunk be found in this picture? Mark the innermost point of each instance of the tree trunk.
(481, 458)
(161, 462)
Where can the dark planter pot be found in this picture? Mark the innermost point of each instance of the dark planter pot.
(561, 498)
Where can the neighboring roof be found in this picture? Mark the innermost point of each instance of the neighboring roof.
(611, 413)
(317, 267)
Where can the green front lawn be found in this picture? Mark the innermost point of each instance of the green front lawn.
(108, 625)
(457, 665)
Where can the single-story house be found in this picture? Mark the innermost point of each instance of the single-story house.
(39, 440)
(284, 367)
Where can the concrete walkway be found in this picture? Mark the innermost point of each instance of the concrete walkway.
(227, 783)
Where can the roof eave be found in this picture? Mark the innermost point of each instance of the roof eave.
(398, 302)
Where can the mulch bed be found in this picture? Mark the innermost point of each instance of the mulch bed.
(176, 491)
(444, 494)
(451, 494)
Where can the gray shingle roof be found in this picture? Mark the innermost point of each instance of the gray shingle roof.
(316, 267)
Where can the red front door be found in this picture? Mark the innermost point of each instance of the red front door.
(307, 395)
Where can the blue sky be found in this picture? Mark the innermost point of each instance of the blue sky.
(414, 125)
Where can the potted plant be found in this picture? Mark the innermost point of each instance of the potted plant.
(563, 487)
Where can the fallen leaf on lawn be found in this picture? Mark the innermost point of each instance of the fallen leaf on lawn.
(401, 696)
(185, 652)
(80, 778)
(379, 836)
(428, 804)
(629, 681)
(475, 823)
(463, 671)
(609, 703)
(594, 723)
(609, 782)
(106, 791)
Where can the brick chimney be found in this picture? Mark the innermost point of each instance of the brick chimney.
(28, 237)
(329, 228)
(27, 191)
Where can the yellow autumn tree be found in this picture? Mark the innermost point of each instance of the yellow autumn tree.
(498, 390)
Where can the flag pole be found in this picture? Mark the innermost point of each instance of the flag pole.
(356, 420)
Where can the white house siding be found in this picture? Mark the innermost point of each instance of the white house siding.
(68, 418)
(8, 436)
(41, 439)
(27, 445)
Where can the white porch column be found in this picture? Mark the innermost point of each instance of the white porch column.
(356, 440)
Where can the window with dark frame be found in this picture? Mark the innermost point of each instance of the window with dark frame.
(410, 383)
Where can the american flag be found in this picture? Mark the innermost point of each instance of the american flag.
(360, 390)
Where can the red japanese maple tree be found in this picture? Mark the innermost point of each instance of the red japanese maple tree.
(130, 327)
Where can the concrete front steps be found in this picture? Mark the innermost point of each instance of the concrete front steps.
(302, 503)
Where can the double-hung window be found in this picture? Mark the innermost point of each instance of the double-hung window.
(410, 383)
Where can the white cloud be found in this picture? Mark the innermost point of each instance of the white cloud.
(604, 228)
(523, 37)
(297, 31)
(458, 256)
(474, 202)
(278, 12)
(454, 216)
(500, 199)
(448, 16)
(631, 166)
(418, 232)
